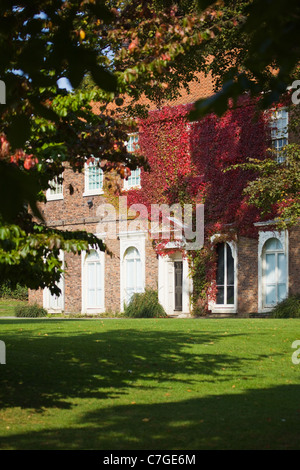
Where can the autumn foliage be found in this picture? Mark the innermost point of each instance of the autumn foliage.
(190, 163)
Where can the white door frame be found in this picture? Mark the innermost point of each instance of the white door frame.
(166, 283)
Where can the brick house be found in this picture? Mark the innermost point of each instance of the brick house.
(252, 274)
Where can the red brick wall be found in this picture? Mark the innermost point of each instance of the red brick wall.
(294, 261)
(73, 213)
(35, 297)
(247, 276)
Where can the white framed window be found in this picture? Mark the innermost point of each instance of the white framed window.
(134, 180)
(226, 278)
(133, 271)
(274, 273)
(225, 275)
(272, 269)
(93, 178)
(55, 192)
(93, 282)
(279, 132)
(132, 264)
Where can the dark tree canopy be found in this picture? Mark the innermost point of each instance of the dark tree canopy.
(126, 47)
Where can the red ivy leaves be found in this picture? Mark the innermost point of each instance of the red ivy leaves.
(187, 163)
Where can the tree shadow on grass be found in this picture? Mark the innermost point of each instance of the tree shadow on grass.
(253, 419)
(51, 370)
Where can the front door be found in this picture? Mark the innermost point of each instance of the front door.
(178, 285)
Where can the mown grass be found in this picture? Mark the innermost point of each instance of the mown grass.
(150, 384)
(7, 306)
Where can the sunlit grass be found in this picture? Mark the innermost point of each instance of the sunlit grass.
(7, 306)
(149, 384)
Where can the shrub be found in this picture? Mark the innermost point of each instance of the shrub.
(30, 311)
(287, 308)
(145, 305)
(18, 292)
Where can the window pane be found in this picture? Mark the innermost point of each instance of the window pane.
(130, 277)
(98, 285)
(220, 264)
(230, 267)
(139, 276)
(270, 294)
(135, 178)
(91, 297)
(132, 145)
(281, 268)
(270, 269)
(230, 295)
(95, 176)
(220, 295)
(279, 133)
(282, 292)
(273, 244)
(93, 255)
(56, 188)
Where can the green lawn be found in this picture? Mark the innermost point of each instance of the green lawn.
(7, 307)
(168, 384)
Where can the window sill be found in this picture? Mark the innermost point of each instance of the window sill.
(93, 310)
(218, 308)
(99, 192)
(267, 309)
(57, 197)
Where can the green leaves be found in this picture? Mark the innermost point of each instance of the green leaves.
(250, 53)
(277, 187)
(33, 258)
(103, 78)
(18, 131)
(100, 10)
(17, 188)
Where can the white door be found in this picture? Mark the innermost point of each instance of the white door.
(56, 302)
(94, 281)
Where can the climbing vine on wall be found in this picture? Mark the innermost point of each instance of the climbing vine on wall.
(188, 163)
